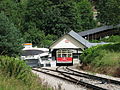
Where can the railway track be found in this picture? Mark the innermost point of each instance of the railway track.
(105, 80)
(73, 76)
(89, 76)
(92, 79)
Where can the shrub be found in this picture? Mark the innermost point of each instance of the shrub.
(115, 39)
(14, 67)
(102, 55)
(103, 59)
(16, 75)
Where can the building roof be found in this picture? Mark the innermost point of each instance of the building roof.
(84, 41)
(96, 30)
(79, 38)
(95, 44)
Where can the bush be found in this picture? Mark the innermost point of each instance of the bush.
(103, 59)
(115, 39)
(14, 67)
(16, 75)
(7, 83)
(102, 55)
(112, 39)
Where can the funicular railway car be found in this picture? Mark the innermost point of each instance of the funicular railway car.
(35, 57)
(64, 57)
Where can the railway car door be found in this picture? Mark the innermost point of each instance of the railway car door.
(64, 57)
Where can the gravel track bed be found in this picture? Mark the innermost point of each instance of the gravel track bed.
(96, 74)
(97, 83)
(108, 86)
(58, 84)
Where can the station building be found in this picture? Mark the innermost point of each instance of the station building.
(67, 48)
(70, 45)
(73, 44)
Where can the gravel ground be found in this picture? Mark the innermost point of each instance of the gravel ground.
(108, 86)
(58, 84)
(96, 74)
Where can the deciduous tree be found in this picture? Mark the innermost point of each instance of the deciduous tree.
(108, 11)
(85, 20)
(10, 37)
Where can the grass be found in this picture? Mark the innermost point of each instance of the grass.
(16, 75)
(11, 83)
(7, 83)
(102, 59)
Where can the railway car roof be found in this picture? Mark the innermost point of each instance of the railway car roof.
(31, 52)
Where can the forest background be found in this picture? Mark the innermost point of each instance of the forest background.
(43, 21)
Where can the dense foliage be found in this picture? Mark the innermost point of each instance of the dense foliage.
(16, 75)
(109, 39)
(85, 15)
(108, 11)
(61, 16)
(10, 37)
(102, 59)
(14, 67)
(43, 21)
(100, 55)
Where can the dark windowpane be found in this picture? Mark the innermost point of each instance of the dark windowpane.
(69, 55)
(59, 55)
(75, 55)
(64, 55)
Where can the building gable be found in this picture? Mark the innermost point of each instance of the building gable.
(67, 42)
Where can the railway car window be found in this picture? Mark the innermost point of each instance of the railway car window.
(69, 55)
(75, 55)
(64, 51)
(64, 55)
(59, 51)
(59, 55)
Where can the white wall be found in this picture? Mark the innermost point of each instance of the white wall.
(67, 42)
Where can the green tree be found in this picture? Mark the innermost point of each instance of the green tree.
(34, 35)
(85, 20)
(49, 39)
(37, 37)
(61, 16)
(10, 37)
(50, 17)
(108, 11)
(14, 11)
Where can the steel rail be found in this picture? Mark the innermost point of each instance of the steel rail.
(87, 85)
(73, 80)
(77, 73)
(95, 77)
